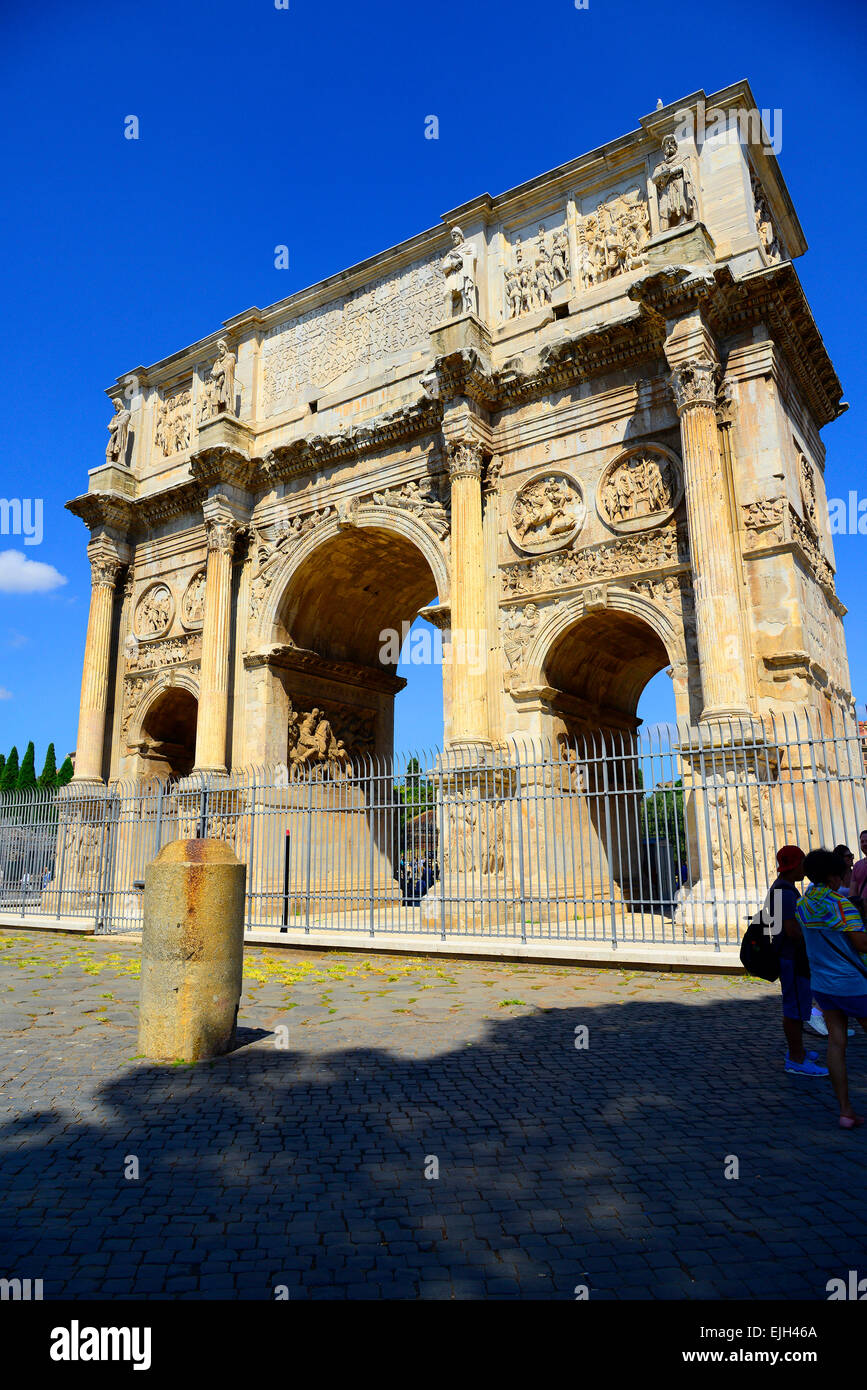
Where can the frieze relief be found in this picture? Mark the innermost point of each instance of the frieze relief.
(154, 612)
(386, 317)
(807, 479)
(640, 488)
(327, 739)
(547, 513)
(475, 842)
(613, 238)
(629, 554)
(764, 522)
(174, 422)
(518, 628)
(537, 269)
(772, 522)
(425, 504)
(155, 655)
(193, 602)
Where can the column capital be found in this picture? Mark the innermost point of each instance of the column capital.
(105, 564)
(693, 383)
(465, 458)
(221, 531)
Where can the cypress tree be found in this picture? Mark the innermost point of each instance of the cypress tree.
(27, 772)
(48, 775)
(66, 772)
(2, 765)
(9, 780)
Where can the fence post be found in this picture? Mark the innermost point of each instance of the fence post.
(103, 838)
(519, 803)
(309, 776)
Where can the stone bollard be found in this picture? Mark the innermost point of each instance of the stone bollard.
(192, 951)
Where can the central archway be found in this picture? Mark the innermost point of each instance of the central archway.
(338, 608)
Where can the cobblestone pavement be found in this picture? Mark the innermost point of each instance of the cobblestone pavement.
(305, 1166)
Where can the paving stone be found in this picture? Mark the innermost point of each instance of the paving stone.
(307, 1167)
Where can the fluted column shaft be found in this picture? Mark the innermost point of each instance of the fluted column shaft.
(104, 570)
(468, 624)
(212, 725)
(719, 633)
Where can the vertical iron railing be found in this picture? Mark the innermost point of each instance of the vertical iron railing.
(666, 834)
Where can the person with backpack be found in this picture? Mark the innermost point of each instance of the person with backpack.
(834, 935)
(779, 913)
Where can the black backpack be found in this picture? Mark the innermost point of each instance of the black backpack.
(759, 955)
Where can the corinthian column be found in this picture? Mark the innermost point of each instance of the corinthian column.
(105, 566)
(468, 625)
(214, 684)
(715, 578)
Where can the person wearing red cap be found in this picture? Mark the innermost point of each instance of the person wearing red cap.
(795, 986)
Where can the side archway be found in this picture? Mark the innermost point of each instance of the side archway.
(594, 654)
(163, 731)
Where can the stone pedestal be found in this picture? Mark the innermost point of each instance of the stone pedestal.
(192, 951)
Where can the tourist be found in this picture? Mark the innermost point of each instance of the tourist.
(779, 911)
(845, 855)
(834, 934)
(859, 873)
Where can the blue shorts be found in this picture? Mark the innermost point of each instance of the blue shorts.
(855, 1005)
(797, 991)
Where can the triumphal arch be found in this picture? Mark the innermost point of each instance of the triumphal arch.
(576, 423)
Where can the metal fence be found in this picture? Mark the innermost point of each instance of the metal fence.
(665, 835)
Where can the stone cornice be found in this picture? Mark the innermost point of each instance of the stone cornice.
(774, 296)
(136, 516)
(183, 499)
(221, 464)
(289, 658)
(635, 338)
(98, 509)
(317, 451)
(674, 290)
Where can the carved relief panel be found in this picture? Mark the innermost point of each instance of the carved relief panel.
(154, 612)
(174, 421)
(547, 513)
(807, 480)
(193, 602)
(535, 269)
(612, 237)
(358, 331)
(641, 488)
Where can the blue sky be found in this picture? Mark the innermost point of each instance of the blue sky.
(305, 127)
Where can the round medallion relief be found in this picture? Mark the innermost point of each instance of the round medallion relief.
(155, 611)
(193, 602)
(640, 488)
(547, 513)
